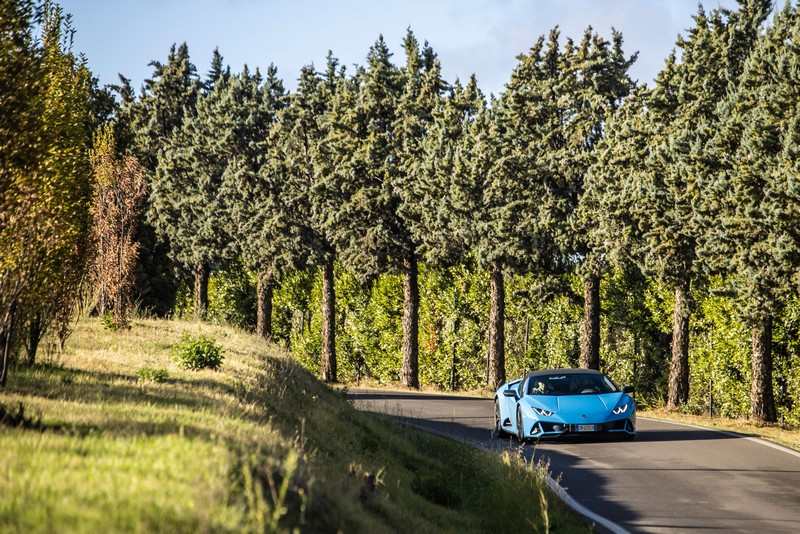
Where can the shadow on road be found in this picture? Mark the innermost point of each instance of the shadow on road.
(399, 395)
(682, 435)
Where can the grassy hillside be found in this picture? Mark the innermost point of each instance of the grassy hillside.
(114, 436)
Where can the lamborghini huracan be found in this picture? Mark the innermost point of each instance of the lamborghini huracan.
(559, 403)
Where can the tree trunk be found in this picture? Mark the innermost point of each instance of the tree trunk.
(35, 332)
(264, 306)
(6, 338)
(201, 276)
(590, 342)
(328, 364)
(678, 394)
(409, 375)
(497, 320)
(762, 398)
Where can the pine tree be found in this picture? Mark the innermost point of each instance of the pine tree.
(656, 221)
(750, 213)
(249, 185)
(372, 229)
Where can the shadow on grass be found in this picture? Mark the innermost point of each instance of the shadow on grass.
(55, 382)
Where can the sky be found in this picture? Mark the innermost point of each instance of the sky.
(483, 37)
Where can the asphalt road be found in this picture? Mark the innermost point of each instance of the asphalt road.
(672, 478)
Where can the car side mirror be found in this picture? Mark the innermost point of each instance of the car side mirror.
(628, 389)
(510, 393)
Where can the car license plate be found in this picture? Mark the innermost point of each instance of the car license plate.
(586, 428)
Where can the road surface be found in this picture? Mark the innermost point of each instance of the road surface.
(672, 478)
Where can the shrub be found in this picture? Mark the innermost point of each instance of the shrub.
(195, 353)
(109, 323)
(152, 374)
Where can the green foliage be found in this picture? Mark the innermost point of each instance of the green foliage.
(232, 296)
(45, 177)
(152, 374)
(720, 359)
(108, 321)
(197, 352)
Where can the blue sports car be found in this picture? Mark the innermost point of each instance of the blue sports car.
(564, 402)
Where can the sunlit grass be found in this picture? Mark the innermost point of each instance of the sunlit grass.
(772, 432)
(120, 438)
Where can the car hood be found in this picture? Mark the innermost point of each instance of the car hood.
(578, 404)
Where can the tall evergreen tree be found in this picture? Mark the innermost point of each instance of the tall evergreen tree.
(547, 124)
(186, 204)
(372, 229)
(421, 96)
(249, 183)
(302, 164)
(595, 82)
(752, 234)
(510, 146)
(166, 99)
(659, 226)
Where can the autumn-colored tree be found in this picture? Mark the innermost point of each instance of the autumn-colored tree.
(120, 192)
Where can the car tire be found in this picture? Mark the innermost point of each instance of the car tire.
(498, 424)
(520, 429)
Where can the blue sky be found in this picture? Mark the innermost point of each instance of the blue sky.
(470, 36)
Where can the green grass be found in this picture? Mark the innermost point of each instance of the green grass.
(115, 436)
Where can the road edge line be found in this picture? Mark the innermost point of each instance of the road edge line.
(578, 508)
(771, 444)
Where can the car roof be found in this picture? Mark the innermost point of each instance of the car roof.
(569, 371)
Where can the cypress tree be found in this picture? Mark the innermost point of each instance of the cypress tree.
(752, 205)
(373, 228)
(254, 103)
(594, 84)
(186, 204)
(166, 98)
(301, 164)
(655, 220)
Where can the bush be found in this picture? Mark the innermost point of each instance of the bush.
(195, 353)
(152, 374)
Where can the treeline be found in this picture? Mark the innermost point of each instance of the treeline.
(388, 224)
(50, 107)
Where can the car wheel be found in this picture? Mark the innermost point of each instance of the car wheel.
(520, 429)
(498, 423)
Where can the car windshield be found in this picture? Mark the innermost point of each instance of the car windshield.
(570, 384)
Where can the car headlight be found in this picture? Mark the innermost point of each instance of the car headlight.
(620, 409)
(540, 411)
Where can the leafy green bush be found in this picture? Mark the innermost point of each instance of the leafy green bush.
(195, 353)
(152, 374)
(108, 321)
(232, 296)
